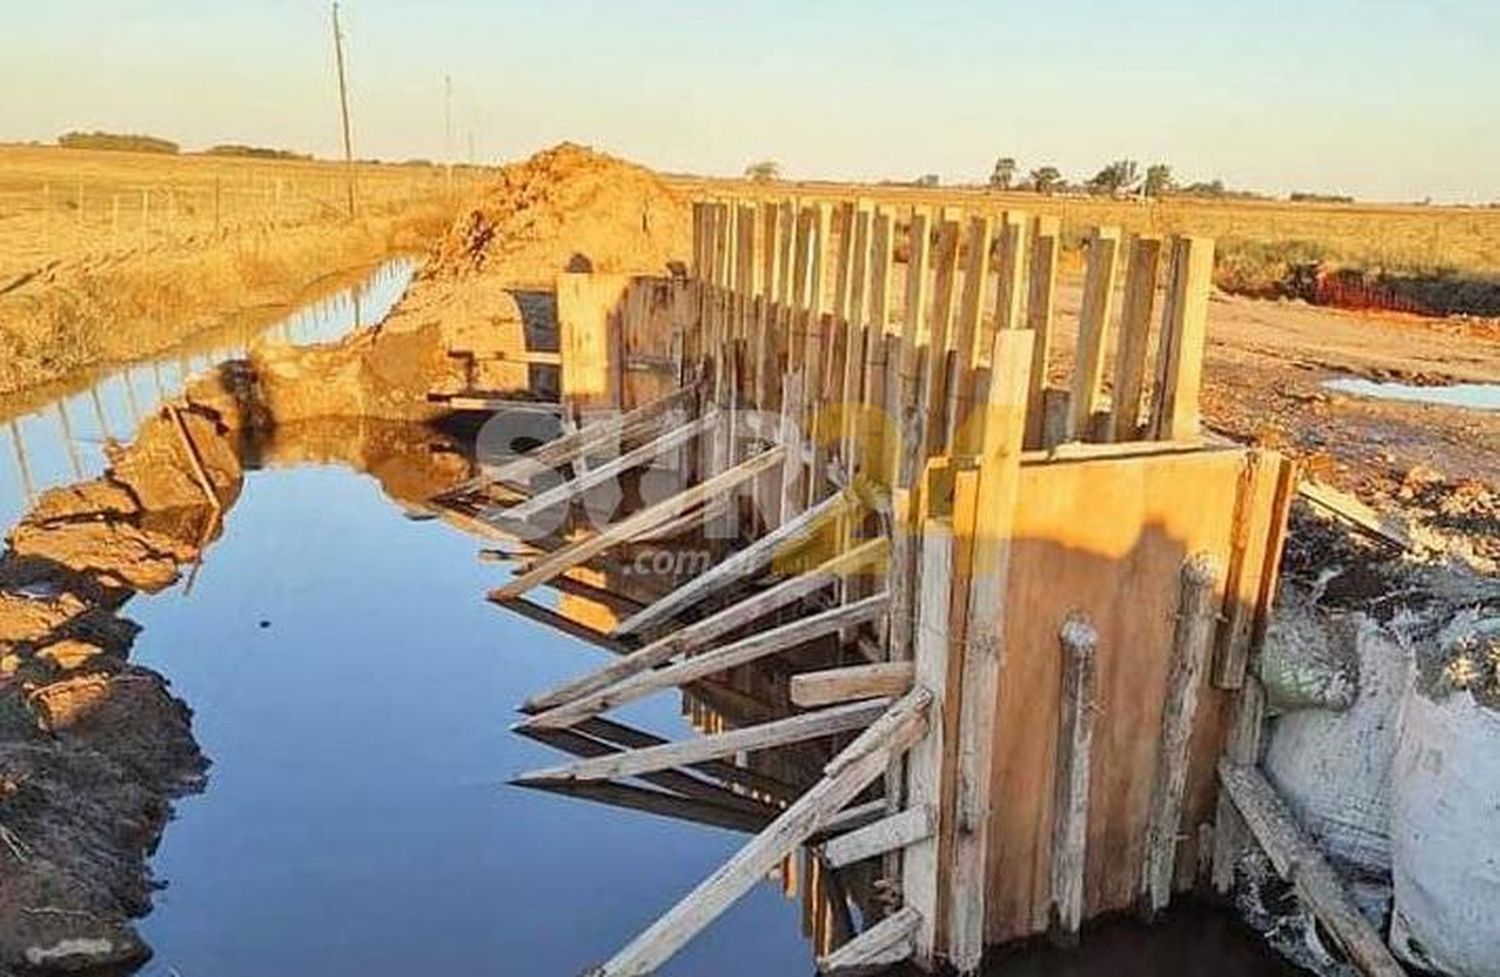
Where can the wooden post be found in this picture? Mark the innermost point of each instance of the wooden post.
(1143, 259)
(1230, 832)
(1010, 268)
(1197, 615)
(1040, 301)
(922, 866)
(999, 479)
(1070, 810)
(1184, 330)
(1093, 331)
(938, 366)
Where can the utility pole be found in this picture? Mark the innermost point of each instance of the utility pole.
(338, 53)
(448, 128)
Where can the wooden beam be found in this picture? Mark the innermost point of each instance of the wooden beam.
(559, 452)
(1298, 860)
(634, 458)
(854, 769)
(1143, 260)
(1184, 330)
(699, 634)
(1197, 616)
(660, 803)
(639, 522)
(1261, 510)
(999, 478)
(1093, 330)
(749, 739)
(742, 652)
(621, 735)
(889, 834)
(877, 949)
(1070, 809)
(1231, 834)
(1387, 529)
(1010, 275)
(922, 869)
(1041, 298)
(811, 689)
(752, 559)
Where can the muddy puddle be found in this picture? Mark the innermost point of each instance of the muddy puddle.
(354, 692)
(1474, 396)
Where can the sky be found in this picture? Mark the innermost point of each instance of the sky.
(1383, 99)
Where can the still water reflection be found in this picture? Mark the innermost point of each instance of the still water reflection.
(62, 441)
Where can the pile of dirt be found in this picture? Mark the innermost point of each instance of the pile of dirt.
(566, 208)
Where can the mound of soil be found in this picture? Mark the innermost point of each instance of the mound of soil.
(566, 208)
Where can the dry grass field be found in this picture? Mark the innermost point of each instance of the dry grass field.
(1257, 239)
(109, 255)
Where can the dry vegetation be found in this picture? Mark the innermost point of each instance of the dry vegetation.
(1258, 239)
(109, 256)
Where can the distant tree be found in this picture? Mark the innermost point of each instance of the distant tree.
(1210, 188)
(254, 152)
(117, 142)
(1116, 178)
(927, 180)
(766, 171)
(1003, 174)
(1044, 179)
(1158, 180)
(1306, 197)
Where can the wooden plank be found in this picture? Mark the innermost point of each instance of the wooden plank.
(877, 949)
(983, 638)
(699, 634)
(749, 739)
(643, 521)
(1143, 261)
(591, 338)
(562, 450)
(1297, 859)
(660, 803)
(1231, 834)
(889, 834)
(1075, 743)
(850, 772)
(936, 369)
(1041, 301)
(1183, 333)
(612, 469)
(1261, 510)
(1094, 318)
(877, 679)
(752, 559)
(1010, 275)
(677, 782)
(527, 356)
(977, 250)
(742, 652)
(855, 421)
(921, 864)
(1383, 527)
(727, 772)
(1197, 615)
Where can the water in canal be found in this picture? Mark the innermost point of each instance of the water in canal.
(354, 692)
(1476, 396)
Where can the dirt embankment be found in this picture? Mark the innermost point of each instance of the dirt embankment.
(93, 749)
(69, 314)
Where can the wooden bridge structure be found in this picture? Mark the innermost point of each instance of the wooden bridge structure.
(1009, 595)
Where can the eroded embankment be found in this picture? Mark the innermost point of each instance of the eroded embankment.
(66, 316)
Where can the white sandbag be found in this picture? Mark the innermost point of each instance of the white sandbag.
(1446, 836)
(1334, 768)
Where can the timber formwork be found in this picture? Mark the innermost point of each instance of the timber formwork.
(980, 642)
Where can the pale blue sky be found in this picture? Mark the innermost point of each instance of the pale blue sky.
(1385, 99)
